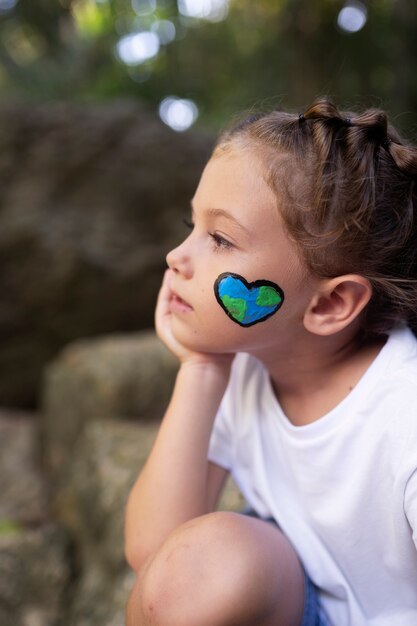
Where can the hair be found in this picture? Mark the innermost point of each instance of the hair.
(349, 200)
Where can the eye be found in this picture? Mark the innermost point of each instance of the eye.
(220, 242)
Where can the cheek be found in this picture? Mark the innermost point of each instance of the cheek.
(247, 303)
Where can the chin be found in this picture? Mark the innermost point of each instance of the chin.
(224, 337)
(213, 347)
(208, 347)
(208, 343)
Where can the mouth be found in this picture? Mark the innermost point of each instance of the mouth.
(178, 305)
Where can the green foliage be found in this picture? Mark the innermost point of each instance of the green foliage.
(9, 527)
(265, 53)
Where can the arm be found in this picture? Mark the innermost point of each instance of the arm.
(177, 482)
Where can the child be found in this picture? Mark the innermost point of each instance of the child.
(302, 262)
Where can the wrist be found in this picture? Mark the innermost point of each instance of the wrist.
(208, 364)
(206, 371)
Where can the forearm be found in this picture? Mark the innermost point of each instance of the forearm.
(172, 487)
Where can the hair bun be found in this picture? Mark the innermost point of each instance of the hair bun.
(404, 157)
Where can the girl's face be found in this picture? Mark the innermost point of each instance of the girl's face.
(236, 228)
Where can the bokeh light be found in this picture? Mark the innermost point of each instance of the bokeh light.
(143, 7)
(211, 10)
(178, 113)
(7, 5)
(165, 30)
(138, 47)
(352, 18)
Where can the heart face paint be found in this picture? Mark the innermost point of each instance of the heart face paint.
(247, 303)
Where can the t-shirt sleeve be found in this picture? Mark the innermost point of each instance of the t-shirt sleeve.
(410, 504)
(220, 445)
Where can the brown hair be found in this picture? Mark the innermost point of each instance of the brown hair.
(350, 198)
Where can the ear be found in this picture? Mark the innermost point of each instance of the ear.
(336, 303)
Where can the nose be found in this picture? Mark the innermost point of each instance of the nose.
(179, 260)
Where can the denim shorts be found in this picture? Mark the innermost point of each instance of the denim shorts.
(313, 613)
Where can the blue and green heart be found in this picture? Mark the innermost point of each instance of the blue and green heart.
(247, 303)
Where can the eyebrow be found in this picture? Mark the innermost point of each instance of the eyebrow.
(213, 212)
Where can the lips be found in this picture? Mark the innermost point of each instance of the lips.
(178, 304)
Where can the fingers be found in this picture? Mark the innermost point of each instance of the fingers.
(164, 295)
(162, 311)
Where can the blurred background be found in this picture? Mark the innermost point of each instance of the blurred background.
(108, 112)
(197, 62)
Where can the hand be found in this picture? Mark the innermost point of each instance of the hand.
(163, 326)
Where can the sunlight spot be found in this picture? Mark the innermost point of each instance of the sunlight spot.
(178, 113)
(143, 7)
(352, 17)
(138, 47)
(7, 5)
(211, 10)
(165, 30)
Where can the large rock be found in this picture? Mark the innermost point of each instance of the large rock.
(91, 500)
(99, 600)
(23, 489)
(91, 200)
(91, 504)
(117, 376)
(34, 575)
(35, 556)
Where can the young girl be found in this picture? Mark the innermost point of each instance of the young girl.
(289, 306)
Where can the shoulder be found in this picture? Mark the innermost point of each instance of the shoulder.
(399, 380)
(395, 399)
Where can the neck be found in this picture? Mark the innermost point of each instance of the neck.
(318, 372)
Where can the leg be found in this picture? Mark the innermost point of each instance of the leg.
(220, 569)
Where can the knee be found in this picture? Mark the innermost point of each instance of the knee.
(134, 615)
(198, 575)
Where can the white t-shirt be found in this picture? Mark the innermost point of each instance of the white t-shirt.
(343, 488)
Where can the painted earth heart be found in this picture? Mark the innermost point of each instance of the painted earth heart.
(247, 303)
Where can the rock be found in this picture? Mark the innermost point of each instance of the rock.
(23, 491)
(35, 560)
(92, 498)
(231, 499)
(99, 600)
(91, 504)
(34, 574)
(127, 376)
(92, 197)
(92, 501)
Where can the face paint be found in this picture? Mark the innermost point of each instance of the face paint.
(247, 303)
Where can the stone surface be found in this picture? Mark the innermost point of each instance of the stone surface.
(34, 574)
(231, 499)
(91, 504)
(91, 199)
(100, 600)
(92, 497)
(114, 376)
(35, 560)
(23, 490)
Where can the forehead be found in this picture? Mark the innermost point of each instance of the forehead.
(235, 181)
